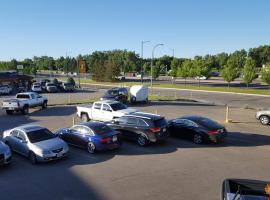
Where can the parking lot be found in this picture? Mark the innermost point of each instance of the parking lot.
(175, 169)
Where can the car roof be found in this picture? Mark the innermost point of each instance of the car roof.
(192, 117)
(29, 127)
(91, 124)
(144, 115)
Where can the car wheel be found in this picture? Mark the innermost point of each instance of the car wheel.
(85, 118)
(91, 148)
(142, 141)
(9, 112)
(25, 110)
(197, 138)
(264, 120)
(44, 105)
(32, 158)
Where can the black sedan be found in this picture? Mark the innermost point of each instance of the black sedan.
(198, 129)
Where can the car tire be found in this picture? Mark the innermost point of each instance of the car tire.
(44, 105)
(9, 112)
(32, 158)
(91, 148)
(85, 117)
(25, 110)
(142, 140)
(198, 138)
(265, 120)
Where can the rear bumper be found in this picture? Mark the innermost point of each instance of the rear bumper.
(51, 158)
(218, 138)
(160, 136)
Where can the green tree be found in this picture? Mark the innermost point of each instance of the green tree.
(175, 64)
(231, 71)
(266, 74)
(249, 72)
(156, 72)
(184, 70)
(71, 81)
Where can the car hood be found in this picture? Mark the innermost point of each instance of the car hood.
(3, 147)
(51, 144)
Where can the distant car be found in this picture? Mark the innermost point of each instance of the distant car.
(5, 154)
(120, 78)
(144, 128)
(117, 94)
(240, 189)
(138, 93)
(263, 116)
(36, 87)
(198, 129)
(67, 87)
(50, 87)
(5, 89)
(201, 78)
(35, 142)
(93, 136)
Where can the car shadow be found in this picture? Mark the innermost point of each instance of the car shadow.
(54, 111)
(234, 139)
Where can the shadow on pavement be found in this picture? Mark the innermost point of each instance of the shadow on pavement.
(54, 111)
(171, 103)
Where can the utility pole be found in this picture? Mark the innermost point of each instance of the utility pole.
(142, 71)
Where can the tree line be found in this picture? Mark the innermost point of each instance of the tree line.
(107, 65)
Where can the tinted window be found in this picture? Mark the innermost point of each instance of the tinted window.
(101, 129)
(132, 121)
(142, 123)
(23, 96)
(122, 120)
(97, 106)
(40, 135)
(112, 92)
(160, 122)
(118, 106)
(50, 84)
(81, 129)
(207, 123)
(106, 107)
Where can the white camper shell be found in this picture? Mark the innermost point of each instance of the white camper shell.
(138, 93)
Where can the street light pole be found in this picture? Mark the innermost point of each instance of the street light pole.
(153, 51)
(143, 42)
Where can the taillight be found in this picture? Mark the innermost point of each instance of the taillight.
(213, 132)
(104, 140)
(154, 130)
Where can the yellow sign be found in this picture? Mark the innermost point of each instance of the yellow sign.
(83, 66)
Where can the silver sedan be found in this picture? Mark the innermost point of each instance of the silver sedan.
(35, 142)
(5, 154)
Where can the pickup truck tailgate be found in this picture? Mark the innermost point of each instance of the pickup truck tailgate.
(13, 103)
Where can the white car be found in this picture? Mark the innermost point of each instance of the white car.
(35, 142)
(36, 87)
(103, 111)
(23, 102)
(5, 89)
(201, 78)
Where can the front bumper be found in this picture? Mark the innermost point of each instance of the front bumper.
(51, 157)
(109, 146)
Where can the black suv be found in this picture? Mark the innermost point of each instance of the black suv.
(143, 128)
(116, 94)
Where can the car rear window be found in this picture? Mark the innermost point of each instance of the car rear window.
(101, 129)
(23, 96)
(160, 122)
(208, 123)
(40, 135)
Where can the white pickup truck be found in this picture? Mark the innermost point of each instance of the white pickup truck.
(103, 111)
(23, 102)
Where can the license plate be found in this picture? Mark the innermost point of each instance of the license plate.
(164, 130)
(11, 108)
(114, 139)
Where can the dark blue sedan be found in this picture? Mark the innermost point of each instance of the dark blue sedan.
(93, 136)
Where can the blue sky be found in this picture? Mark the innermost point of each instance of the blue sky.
(71, 27)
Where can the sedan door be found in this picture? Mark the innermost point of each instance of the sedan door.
(181, 128)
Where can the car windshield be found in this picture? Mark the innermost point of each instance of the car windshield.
(112, 92)
(50, 84)
(118, 106)
(160, 122)
(101, 129)
(40, 135)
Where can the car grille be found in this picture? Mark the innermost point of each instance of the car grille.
(2, 158)
(57, 150)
